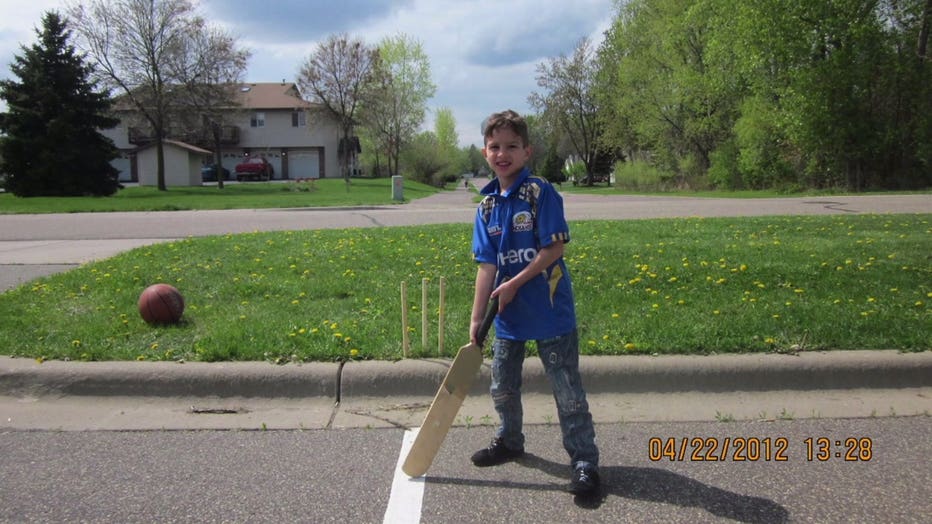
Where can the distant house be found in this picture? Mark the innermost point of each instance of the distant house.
(271, 121)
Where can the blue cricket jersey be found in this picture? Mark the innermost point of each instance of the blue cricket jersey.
(509, 230)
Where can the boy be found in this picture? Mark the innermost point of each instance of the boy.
(518, 242)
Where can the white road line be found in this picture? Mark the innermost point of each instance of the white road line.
(404, 503)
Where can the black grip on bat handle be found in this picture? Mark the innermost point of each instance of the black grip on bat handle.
(487, 321)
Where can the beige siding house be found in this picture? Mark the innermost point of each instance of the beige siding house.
(271, 121)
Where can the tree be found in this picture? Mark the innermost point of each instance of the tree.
(663, 89)
(423, 159)
(336, 76)
(397, 103)
(134, 43)
(772, 93)
(445, 130)
(51, 144)
(210, 67)
(569, 99)
(448, 143)
(475, 161)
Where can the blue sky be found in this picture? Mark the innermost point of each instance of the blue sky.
(483, 53)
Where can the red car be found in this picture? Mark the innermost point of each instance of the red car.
(254, 168)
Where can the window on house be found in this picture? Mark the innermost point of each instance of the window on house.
(257, 120)
(298, 119)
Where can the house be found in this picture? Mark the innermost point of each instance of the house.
(182, 164)
(271, 120)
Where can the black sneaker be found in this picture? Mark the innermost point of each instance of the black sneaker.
(585, 481)
(497, 453)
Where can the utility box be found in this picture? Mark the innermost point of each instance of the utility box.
(398, 188)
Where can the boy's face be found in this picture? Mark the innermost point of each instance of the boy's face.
(506, 153)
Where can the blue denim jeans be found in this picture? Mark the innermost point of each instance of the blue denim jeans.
(560, 357)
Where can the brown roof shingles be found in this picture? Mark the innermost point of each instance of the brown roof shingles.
(271, 95)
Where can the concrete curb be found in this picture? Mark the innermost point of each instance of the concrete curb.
(369, 379)
(26, 378)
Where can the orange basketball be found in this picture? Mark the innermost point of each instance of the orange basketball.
(161, 304)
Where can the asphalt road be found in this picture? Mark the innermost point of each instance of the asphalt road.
(347, 476)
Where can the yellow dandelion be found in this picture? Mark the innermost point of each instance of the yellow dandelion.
(629, 346)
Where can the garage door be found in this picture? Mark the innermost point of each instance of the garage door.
(303, 164)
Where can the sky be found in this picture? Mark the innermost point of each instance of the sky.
(483, 53)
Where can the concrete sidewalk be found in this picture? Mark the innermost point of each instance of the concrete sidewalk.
(150, 395)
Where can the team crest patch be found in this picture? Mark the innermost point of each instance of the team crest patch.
(522, 222)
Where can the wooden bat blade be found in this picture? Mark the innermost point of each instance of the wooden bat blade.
(443, 410)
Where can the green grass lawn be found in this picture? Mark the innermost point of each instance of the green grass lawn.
(320, 193)
(689, 285)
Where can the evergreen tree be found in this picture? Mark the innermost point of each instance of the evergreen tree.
(50, 143)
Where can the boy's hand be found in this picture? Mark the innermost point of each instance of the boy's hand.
(506, 293)
(473, 328)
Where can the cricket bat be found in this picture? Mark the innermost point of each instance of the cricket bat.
(448, 400)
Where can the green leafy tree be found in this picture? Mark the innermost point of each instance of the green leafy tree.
(424, 160)
(846, 83)
(551, 167)
(396, 104)
(475, 161)
(664, 89)
(448, 143)
(50, 144)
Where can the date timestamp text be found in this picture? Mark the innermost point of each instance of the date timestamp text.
(755, 449)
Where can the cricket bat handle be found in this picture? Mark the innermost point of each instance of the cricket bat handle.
(487, 320)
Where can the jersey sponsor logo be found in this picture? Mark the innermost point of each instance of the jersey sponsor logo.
(522, 221)
(517, 256)
(494, 230)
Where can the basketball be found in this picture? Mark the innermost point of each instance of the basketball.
(161, 304)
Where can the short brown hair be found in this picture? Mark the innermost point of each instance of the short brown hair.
(507, 119)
